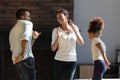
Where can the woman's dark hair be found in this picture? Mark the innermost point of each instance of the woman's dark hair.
(65, 12)
(96, 24)
(21, 12)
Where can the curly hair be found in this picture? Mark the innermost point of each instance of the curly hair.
(96, 24)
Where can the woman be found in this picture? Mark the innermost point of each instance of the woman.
(64, 39)
(101, 63)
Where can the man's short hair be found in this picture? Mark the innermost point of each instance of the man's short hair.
(21, 12)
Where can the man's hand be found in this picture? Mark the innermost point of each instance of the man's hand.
(18, 58)
(35, 34)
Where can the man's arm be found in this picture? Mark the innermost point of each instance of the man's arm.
(19, 57)
(35, 35)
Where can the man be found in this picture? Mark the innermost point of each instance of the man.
(21, 39)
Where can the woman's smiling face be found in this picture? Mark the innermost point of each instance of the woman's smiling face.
(61, 18)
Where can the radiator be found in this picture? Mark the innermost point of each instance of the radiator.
(86, 71)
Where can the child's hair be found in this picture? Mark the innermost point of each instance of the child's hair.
(96, 24)
(21, 12)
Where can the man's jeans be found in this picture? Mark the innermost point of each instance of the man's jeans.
(26, 69)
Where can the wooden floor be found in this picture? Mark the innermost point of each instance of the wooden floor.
(91, 79)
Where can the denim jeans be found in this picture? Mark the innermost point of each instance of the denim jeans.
(64, 70)
(26, 69)
(99, 69)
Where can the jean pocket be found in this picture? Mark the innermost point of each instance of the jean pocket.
(29, 63)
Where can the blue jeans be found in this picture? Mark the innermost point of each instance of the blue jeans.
(26, 69)
(64, 70)
(99, 69)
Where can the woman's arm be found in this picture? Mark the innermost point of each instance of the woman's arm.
(55, 35)
(78, 35)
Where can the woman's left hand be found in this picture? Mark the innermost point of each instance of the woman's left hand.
(72, 26)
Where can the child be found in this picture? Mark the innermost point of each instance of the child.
(101, 63)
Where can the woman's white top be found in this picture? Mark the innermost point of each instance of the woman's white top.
(96, 54)
(66, 45)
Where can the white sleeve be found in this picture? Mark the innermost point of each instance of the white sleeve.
(54, 35)
(95, 41)
(77, 29)
(27, 31)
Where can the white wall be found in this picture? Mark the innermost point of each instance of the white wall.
(109, 10)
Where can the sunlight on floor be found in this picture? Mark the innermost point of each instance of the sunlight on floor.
(91, 79)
